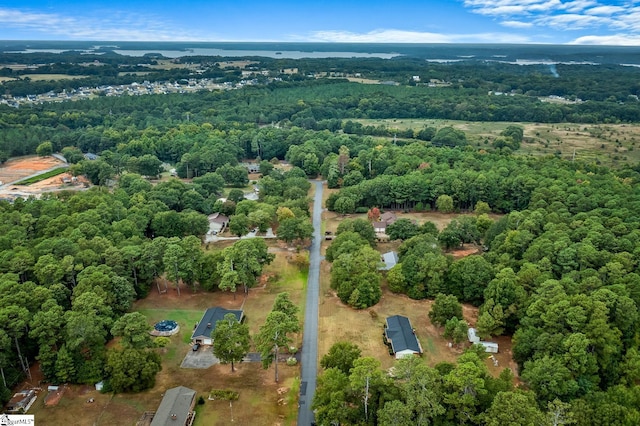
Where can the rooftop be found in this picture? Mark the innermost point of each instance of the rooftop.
(211, 316)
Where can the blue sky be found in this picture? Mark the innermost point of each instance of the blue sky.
(375, 21)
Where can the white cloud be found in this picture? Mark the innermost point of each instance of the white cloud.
(115, 27)
(565, 16)
(609, 40)
(379, 36)
(400, 36)
(575, 21)
(577, 6)
(516, 24)
(604, 10)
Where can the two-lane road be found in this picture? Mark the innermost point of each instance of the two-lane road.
(310, 336)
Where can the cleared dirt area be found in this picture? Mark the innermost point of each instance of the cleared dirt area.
(19, 168)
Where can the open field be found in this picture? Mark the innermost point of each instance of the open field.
(608, 144)
(48, 77)
(276, 403)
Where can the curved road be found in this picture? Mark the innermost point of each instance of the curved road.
(310, 333)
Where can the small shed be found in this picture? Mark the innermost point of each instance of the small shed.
(490, 347)
(21, 401)
(472, 335)
(99, 386)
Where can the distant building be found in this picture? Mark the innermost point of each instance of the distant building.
(90, 156)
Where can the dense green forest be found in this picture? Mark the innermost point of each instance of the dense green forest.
(559, 271)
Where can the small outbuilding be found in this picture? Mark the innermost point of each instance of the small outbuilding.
(401, 336)
(490, 347)
(21, 402)
(472, 335)
(203, 330)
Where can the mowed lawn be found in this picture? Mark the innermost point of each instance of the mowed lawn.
(262, 401)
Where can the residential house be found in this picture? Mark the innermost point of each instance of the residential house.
(386, 219)
(176, 408)
(389, 260)
(380, 227)
(401, 336)
(217, 223)
(203, 330)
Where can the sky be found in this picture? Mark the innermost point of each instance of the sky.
(372, 21)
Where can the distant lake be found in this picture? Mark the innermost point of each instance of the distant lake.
(288, 54)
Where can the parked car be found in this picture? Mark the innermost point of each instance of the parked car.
(195, 347)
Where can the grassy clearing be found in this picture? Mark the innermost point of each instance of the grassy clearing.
(608, 144)
(55, 77)
(43, 176)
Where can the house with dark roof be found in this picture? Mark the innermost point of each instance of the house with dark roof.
(401, 337)
(176, 408)
(203, 330)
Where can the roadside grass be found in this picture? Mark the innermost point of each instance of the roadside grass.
(607, 144)
(41, 177)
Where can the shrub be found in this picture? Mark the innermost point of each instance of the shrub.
(161, 341)
(223, 395)
(291, 361)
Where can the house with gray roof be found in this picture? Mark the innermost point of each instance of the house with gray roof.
(203, 330)
(176, 408)
(401, 336)
(389, 260)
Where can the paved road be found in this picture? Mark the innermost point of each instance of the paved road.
(310, 336)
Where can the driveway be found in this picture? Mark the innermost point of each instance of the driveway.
(202, 358)
(309, 352)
